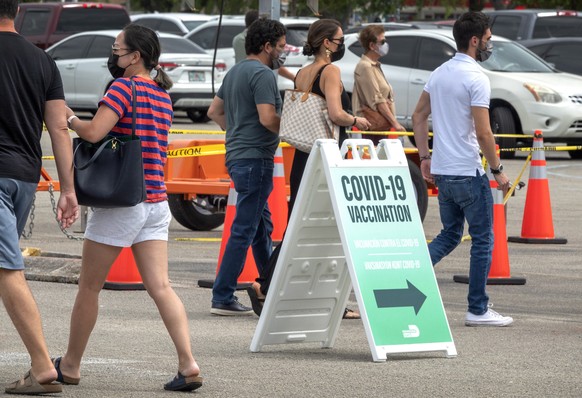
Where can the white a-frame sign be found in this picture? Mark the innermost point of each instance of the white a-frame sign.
(356, 221)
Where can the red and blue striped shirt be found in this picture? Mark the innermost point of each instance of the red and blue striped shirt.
(154, 115)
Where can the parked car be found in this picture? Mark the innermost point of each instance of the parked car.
(205, 37)
(527, 94)
(178, 23)
(535, 23)
(565, 53)
(388, 26)
(47, 23)
(82, 62)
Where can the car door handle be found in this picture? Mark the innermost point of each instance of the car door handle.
(418, 82)
(70, 66)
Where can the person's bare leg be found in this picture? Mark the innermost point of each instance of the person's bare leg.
(152, 261)
(23, 311)
(97, 260)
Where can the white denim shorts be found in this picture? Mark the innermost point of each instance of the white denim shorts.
(125, 226)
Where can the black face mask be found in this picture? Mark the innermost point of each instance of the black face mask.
(116, 71)
(339, 54)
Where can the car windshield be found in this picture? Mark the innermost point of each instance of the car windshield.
(511, 57)
(192, 24)
(179, 45)
(297, 36)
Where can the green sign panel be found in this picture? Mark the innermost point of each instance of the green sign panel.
(392, 273)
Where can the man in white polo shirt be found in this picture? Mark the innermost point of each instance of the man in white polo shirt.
(457, 95)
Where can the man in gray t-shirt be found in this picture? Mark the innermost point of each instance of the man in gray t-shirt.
(248, 86)
(248, 107)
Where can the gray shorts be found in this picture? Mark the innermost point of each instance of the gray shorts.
(124, 226)
(15, 201)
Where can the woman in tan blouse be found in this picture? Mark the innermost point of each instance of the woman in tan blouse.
(371, 89)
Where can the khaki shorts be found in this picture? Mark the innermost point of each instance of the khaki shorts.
(125, 226)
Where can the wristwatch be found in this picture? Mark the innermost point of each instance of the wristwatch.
(498, 170)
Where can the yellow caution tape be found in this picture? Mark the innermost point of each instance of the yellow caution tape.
(517, 180)
(219, 149)
(411, 134)
(545, 148)
(202, 150)
(402, 133)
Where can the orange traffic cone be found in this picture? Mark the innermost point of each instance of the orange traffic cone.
(279, 208)
(499, 273)
(537, 225)
(124, 274)
(393, 136)
(278, 199)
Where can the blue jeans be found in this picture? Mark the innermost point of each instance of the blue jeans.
(469, 198)
(252, 225)
(16, 199)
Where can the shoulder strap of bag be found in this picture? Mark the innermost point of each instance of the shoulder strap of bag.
(95, 155)
(133, 102)
(304, 97)
(106, 142)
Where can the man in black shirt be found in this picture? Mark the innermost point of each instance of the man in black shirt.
(31, 91)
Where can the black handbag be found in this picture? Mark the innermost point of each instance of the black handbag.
(110, 173)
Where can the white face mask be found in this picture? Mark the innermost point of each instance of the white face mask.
(382, 50)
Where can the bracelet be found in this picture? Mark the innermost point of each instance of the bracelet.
(355, 121)
(426, 157)
(70, 119)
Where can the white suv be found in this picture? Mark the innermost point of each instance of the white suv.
(297, 28)
(527, 94)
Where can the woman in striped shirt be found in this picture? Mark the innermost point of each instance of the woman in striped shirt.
(143, 227)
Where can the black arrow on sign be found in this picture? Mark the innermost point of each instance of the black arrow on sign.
(409, 297)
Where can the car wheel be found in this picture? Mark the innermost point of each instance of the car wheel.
(203, 213)
(420, 188)
(198, 115)
(502, 123)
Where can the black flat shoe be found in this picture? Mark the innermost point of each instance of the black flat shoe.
(182, 383)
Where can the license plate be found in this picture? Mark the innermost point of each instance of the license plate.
(194, 76)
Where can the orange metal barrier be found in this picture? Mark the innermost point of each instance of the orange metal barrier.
(46, 181)
(197, 174)
(205, 175)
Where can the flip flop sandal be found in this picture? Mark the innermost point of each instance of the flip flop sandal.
(182, 383)
(61, 378)
(30, 386)
(350, 314)
(256, 301)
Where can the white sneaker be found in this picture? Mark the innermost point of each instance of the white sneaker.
(490, 318)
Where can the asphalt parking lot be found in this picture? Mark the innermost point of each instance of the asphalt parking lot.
(130, 354)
